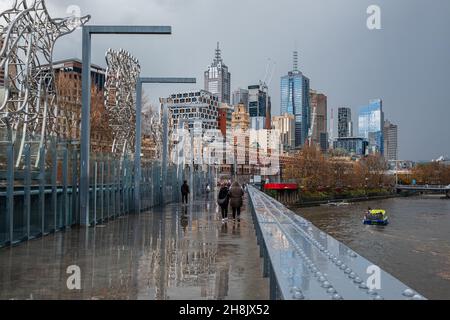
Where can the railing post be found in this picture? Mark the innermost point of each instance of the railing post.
(10, 192)
(54, 187)
(102, 194)
(42, 188)
(65, 207)
(27, 189)
(95, 191)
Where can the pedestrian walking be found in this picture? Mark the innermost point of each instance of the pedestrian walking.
(223, 201)
(185, 191)
(236, 199)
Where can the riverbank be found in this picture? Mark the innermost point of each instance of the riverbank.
(337, 201)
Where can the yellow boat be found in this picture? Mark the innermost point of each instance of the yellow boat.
(376, 217)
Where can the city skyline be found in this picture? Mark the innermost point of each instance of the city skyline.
(381, 64)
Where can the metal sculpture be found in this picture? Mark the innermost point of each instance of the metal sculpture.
(122, 75)
(27, 38)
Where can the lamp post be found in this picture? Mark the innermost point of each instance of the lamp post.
(138, 151)
(88, 31)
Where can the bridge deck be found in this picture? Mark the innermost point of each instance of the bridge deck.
(163, 254)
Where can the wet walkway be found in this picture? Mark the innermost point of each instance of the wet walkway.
(171, 253)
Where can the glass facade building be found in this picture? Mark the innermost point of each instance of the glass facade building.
(295, 100)
(259, 107)
(353, 146)
(370, 125)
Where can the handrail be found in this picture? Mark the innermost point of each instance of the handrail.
(305, 263)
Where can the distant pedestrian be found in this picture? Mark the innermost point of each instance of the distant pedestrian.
(223, 201)
(208, 191)
(185, 191)
(236, 199)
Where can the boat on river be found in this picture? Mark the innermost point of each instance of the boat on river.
(376, 217)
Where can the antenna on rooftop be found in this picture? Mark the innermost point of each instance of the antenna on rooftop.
(295, 61)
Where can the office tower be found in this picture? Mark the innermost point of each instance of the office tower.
(259, 107)
(390, 140)
(225, 118)
(351, 145)
(295, 100)
(345, 125)
(240, 96)
(240, 118)
(218, 79)
(370, 125)
(193, 107)
(320, 117)
(285, 124)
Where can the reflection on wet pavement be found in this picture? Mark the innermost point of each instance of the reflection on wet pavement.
(171, 253)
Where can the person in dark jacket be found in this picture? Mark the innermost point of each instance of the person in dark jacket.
(236, 199)
(223, 201)
(185, 191)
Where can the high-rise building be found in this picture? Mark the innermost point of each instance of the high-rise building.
(351, 145)
(218, 79)
(240, 118)
(295, 100)
(190, 107)
(370, 125)
(320, 106)
(345, 124)
(259, 107)
(390, 140)
(240, 96)
(225, 118)
(285, 125)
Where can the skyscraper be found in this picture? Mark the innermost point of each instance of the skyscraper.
(390, 140)
(218, 79)
(259, 107)
(345, 124)
(285, 124)
(240, 96)
(295, 100)
(370, 125)
(319, 104)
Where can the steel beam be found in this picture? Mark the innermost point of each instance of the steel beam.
(138, 144)
(88, 31)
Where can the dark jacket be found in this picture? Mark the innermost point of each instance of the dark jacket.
(185, 189)
(223, 194)
(236, 196)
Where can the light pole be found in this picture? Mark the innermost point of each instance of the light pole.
(88, 31)
(138, 151)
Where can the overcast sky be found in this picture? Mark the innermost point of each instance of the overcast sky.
(407, 63)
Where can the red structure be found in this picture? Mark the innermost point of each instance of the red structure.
(281, 186)
(286, 193)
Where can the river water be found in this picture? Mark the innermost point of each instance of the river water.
(414, 247)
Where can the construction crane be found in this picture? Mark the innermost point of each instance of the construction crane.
(270, 70)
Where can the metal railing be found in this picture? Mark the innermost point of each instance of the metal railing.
(302, 262)
(35, 202)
